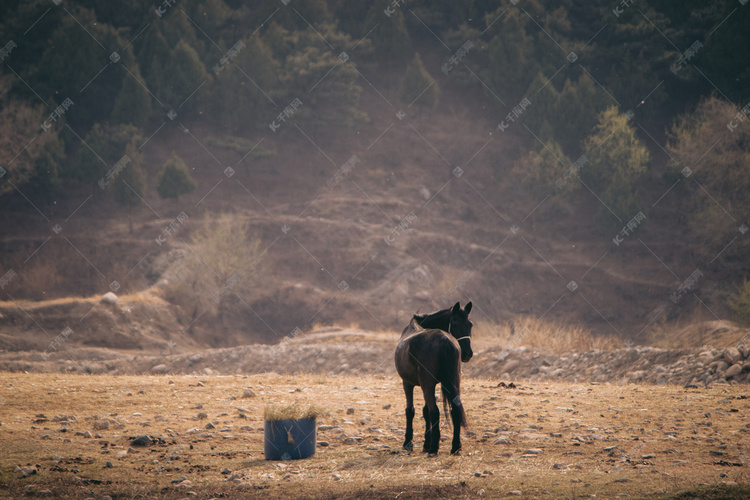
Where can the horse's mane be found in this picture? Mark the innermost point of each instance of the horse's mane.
(412, 327)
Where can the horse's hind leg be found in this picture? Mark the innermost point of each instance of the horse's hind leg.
(433, 417)
(456, 418)
(426, 415)
(409, 392)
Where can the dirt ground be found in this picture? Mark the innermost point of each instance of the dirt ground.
(73, 433)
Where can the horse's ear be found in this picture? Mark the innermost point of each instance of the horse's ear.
(456, 308)
(468, 308)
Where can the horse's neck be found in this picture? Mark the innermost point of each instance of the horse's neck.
(439, 320)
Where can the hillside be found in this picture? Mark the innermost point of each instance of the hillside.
(357, 222)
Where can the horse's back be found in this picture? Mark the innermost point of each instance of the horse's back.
(420, 354)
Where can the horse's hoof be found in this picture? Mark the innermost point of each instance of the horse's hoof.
(456, 452)
(409, 447)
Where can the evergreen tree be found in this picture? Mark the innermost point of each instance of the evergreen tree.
(133, 103)
(129, 184)
(390, 40)
(418, 87)
(616, 159)
(179, 77)
(174, 179)
(104, 147)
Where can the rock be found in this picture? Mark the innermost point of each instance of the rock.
(121, 454)
(732, 355)
(142, 440)
(501, 440)
(25, 471)
(160, 369)
(109, 298)
(210, 426)
(322, 444)
(226, 471)
(515, 493)
(350, 411)
(202, 415)
(108, 465)
(248, 393)
(733, 371)
(245, 486)
(85, 434)
(101, 425)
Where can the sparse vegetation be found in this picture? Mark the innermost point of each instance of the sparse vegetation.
(740, 304)
(529, 331)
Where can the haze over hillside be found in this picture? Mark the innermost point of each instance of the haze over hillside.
(237, 174)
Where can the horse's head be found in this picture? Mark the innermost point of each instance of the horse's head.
(460, 328)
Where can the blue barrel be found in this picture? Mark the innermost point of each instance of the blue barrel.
(290, 439)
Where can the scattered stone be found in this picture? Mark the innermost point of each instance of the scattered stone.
(160, 369)
(109, 298)
(23, 471)
(226, 471)
(350, 411)
(248, 393)
(142, 440)
(202, 415)
(108, 465)
(322, 444)
(515, 493)
(101, 425)
(210, 426)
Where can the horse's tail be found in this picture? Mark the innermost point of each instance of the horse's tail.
(450, 384)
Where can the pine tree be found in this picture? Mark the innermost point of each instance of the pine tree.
(616, 159)
(174, 180)
(418, 87)
(129, 184)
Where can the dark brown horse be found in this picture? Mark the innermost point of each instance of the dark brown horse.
(426, 358)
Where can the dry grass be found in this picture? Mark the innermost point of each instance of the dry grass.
(293, 411)
(529, 331)
(606, 440)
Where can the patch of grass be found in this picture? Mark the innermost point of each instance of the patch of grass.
(293, 411)
(740, 304)
(529, 331)
(712, 492)
(240, 145)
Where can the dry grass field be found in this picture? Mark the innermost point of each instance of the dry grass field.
(73, 433)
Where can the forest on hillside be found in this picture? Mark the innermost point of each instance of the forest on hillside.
(83, 85)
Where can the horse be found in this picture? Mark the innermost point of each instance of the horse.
(426, 357)
(441, 320)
